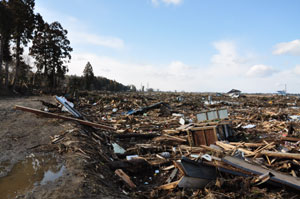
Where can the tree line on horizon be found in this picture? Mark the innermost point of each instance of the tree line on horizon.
(88, 81)
(49, 47)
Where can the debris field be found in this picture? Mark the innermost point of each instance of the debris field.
(181, 145)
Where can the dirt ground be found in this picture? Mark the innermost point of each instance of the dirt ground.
(23, 135)
(22, 131)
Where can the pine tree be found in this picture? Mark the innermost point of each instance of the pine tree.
(51, 50)
(88, 75)
(23, 15)
(6, 23)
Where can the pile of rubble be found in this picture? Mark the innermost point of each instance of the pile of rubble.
(184, 145)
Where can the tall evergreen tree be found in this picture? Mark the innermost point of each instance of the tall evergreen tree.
(41, 47)
(23, 15)
(88, 75)
(7, 58)
(5, 33)
(51, 50)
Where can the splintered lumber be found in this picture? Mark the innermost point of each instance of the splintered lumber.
(268, 146)
(136, 135)
(171, 185)
(172, 175)
(210, 149)
(191, 149)
(229, 147)
(292, 139)
(277, 177)
(168, 168)
(281, 155)
(170, 131)
(247, 144)
(87, 123)
(125, 178)
(166, 138)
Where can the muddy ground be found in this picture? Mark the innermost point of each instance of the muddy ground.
(26, 157)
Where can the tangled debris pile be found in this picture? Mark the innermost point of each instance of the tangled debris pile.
(167, 145)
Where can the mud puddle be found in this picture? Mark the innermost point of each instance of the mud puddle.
(33, 171)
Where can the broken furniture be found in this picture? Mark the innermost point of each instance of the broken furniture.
(210, 134)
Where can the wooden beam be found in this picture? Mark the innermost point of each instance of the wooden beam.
(211, 149)
(171, 185)
(292, 139)
(31, 110)
(228, 147)
(172, 175)
(281, 155)
(125, 178)
(247, 144)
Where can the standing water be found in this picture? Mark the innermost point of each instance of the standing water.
(28, 173)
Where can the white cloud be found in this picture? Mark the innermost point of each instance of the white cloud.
(94, 39)
(227, 61)
(79, 32)
(292, 47)
(168, 2)
(155, 2)
(227, 54)
(173, 76)
(175, 2)
(227, 69)
(296, 70)
(260, 70)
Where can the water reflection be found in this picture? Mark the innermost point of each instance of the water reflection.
(28, 173)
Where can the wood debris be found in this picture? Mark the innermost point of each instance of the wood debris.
(251, 147)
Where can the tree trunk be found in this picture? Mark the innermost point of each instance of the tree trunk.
(6, 74)
(53, 76)
(17, 62)
(1, 57)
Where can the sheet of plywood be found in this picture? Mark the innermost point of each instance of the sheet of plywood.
(277, 177)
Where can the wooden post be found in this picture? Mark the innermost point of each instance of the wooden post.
(63, 117)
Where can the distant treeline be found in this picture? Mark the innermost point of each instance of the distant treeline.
(97, 83)
(49, 48)
(89, 82)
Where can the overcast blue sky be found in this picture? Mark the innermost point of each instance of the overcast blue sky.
(190, 45)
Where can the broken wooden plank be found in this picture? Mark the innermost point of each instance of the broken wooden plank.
(281, 154)
(179, 167)
(210, 149)
(229, 147)
(169, 138)
(268, 146)
(63, 117)
(168, 168)
(172, 175)
(170, 131)
(292, 139)
(137, 135)
(171, 185)
(192, 149)
(125, 178)
(247, 144)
